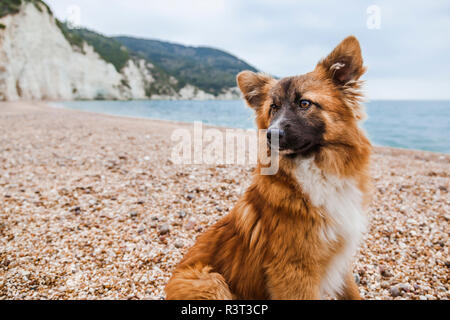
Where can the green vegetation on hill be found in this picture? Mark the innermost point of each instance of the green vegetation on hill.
(209, 69)
(74, 39)
(117, 54)
(9, 7)
(108, 48)
(13, 6)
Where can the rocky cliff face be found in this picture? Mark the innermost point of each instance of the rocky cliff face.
(38, 63)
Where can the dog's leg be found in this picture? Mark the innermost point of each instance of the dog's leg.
(350, 290)
(293, 286)
(197, 283)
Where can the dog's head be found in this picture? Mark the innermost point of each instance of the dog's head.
(314, 111)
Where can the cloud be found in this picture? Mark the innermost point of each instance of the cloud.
(284, 37)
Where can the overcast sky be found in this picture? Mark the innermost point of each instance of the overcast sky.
(408, 55)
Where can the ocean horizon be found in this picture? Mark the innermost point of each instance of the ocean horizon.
(408, 124)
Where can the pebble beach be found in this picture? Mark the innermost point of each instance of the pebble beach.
(91, 207)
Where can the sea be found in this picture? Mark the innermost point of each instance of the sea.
(420, 125)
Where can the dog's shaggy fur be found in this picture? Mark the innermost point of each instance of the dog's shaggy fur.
(293, 234)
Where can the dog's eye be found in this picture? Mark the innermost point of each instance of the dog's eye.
(305, 104)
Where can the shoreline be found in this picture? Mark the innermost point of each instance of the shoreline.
(91, 207)
(54, 104)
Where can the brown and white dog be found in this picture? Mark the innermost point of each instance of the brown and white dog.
(293, 235)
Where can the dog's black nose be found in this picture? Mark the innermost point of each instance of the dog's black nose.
(271, 132)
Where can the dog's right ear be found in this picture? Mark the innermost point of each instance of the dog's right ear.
(254, 86)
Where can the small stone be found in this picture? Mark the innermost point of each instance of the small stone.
(190, 224)
(25, 273)
(164, 229)
(423, 298)
(76, 210)
(190, 196)
(357, 278)
(404, 287)
(140, 202)
(443, 188)
(179, 244)
(385, 272)
(155, 218)
(385, 284)
(219, 209)
(133, 214)
(181, 214)
(395, 292)
(199, 228)
(141, 229)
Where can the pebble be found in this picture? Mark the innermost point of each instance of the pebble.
(76, 210)
(141, 229)
(385, 272)
(190, 196)
(190, 224)
(133, 214)
(179, 244)
(395, 292)
(357, 278)
(164, 229)
(181, 214)
(404, 287)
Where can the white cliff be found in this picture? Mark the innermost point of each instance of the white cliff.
(37, 62)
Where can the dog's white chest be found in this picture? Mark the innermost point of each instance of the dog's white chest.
(341, 201)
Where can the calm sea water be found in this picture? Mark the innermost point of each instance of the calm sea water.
(423, 125)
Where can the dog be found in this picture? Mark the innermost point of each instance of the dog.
(293, 235)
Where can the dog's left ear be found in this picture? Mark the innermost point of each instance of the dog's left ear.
(344, 63)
